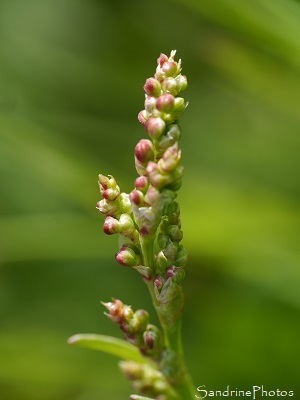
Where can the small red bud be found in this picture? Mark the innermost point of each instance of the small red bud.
(152, 87)
(136, 197)
(144, 151)
(165, 103)
(155, 127)
(162, 59)
(169, 68)
(141, 183)
(111, 225)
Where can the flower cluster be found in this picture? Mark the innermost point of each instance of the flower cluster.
(148, 219)
(136, 328)
(146, 380)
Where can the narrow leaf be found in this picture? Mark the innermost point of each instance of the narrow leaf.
(108, 344)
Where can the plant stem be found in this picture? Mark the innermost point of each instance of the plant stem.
(182, 383)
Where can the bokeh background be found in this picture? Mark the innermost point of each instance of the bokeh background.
(71, 76)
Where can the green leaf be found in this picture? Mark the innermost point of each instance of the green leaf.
(137, 397)
(108, 344)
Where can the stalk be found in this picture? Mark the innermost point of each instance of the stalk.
(150, 212)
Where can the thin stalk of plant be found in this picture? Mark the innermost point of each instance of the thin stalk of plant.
(148, 222)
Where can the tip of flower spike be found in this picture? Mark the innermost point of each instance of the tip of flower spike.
(173, 54)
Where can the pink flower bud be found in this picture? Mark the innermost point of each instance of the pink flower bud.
(144, 151)
(169, 68)
(165, 103)
(111, 226)
(159, 282)
(115, 309)
(153, 338)
(162, 59)
(141, 183)
(150, 104)
(143, 116)
(155, 127)
(152, 87)
(136, 197)
(176, 273)
(111, 194)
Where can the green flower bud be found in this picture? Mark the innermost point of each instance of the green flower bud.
(152, 87)
(127, 227)
(163, 240)
(179, 105)
(181, 82)
(168, 140)
(164, 223)
(107, 208)
(171, 250)
(174, 233)
(155, 127)
(165, 103)
(106, 182)
(124, 203)
(126, 256)
(170, 159)
(161, 261)
(181, 257)
(131, 369)
(140, 321)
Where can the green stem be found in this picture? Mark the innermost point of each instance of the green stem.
(182, 383)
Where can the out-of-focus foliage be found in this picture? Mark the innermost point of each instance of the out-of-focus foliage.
(71, 77)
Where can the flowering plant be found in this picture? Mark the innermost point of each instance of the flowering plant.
(148, 223)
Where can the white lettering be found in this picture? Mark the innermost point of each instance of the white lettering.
(204, 392)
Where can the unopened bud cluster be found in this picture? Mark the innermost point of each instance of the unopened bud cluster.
(157, 158)
(150, 206)
(145, 380)
(136, 327)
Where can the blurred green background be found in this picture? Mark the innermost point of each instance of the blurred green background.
(71, 76)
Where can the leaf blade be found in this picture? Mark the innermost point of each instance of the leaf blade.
(108, 344)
